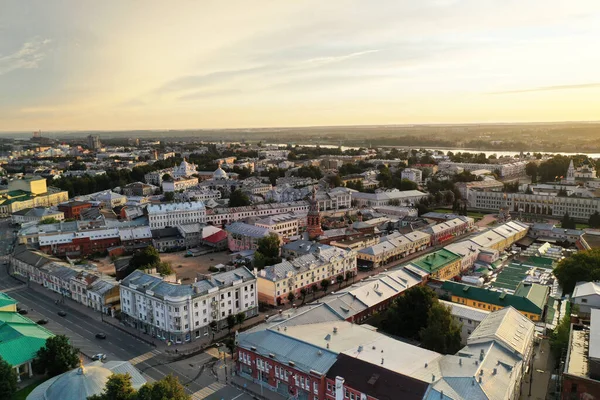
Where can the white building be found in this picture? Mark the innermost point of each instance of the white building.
(506, 170)
(36, 215)
(468, 317)
(412, 174)
(274, 154)
(182, 313)
(285, 225)
(179, 184)
(224, 215)
(384, 198)
(184, 170)
(173, 214)
(587, 296)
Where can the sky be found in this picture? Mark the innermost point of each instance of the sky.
(198, 64)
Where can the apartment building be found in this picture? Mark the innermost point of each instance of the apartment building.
(173, 214)
(276, 282)
(242, 236)
(224, 215)
(178, 184)
(412, 174)
(181, 313)
(285, 225)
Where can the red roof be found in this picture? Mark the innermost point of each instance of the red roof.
(216, 237)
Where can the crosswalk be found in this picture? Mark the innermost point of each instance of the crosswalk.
(207, 391)
(144, 357)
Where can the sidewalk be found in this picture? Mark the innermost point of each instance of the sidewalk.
(224, 371)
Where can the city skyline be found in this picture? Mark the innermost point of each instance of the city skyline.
(116, 66)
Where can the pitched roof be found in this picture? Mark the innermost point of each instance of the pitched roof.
(20, 338)
(6, 300)
(583, 289)
(433, 262)
(498, 298)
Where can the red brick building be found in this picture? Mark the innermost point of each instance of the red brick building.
(73, 209)
(82, 243)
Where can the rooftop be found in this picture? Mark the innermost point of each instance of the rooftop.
(432, 262)
(20, 338)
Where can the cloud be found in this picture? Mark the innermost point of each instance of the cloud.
(205, 94)
(28, 56)
(550, 88)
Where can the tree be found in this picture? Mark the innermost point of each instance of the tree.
(339, 279)
(237, 198)
(57, 356)
(408, 314)
(334, 180)
(531, 169)
(303, 293)
(167, 388)
(118, 387)
(349, 274)
(48, 221)
(594, 220)
(442, 333)
(567, 222)
(314, 288)
(231, 321)
(267, 251)
(325, 284)
(291, 297)
(164, 268)
(583, 266)
(169, 196)
(146, 258)
(240, 318)
(167, 177)
(8, 380)
(559, 338)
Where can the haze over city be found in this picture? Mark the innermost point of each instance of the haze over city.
(115, 65)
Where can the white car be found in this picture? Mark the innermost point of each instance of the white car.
(99, 357)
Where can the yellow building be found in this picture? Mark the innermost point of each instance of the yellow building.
(29, 193)
(441, 265)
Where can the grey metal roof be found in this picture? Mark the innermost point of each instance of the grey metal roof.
(594, 344)
(306, 357)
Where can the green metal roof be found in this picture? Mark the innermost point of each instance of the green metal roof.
(432, 262)
(20, 338)
(6, 300)
(511, 276)
(537, 294)
(501, 299)
(542, 262)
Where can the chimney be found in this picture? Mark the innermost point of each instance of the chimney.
(480, 380)
(432, 377)
(382, 361)
(495, 371)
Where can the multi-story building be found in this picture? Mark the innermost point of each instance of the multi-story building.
(412, 174)
(29, 193)
(529, 299)
(80, 243)
(276, 282)
(94, 142)
(182, 313)
(173, 214)
(73, 209)
(391, 248)
(511, 169)
(224, 215)
(447, 230)
(139, 189)
(388, 197)
(468, 318)
(156, 177)
(242, 236)
(285, 225)
(199, 194)
(587, 297)
(441, 265)
(274, 154)
(579, 208)
(338, 198)
(178, 184)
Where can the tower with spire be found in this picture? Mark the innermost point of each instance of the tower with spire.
(313, 219)
(571, 173)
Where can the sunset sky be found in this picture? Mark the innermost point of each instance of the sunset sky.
(127, 64)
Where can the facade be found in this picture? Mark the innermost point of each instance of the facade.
(441, 265)
(529, 299)
(579, 208)
(391, 248)
(447, 230)
(184, 170)
(468, 318)
(225, 215)
(242, 236)
(513, 169)
(412, 174)
(94, 142)
(587, 296)
(388, 197)
(36, 215)
(73, 209)
(178, 184)
(182, 313)
(276, 282)
(313, 219)
(29, 193)
(81, 243)
(173, 214)
(139, 189)
(285, 225)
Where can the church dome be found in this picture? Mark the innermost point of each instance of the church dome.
(220, 174)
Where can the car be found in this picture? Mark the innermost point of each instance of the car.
(22, 311)
(99, 357)
(100, 335)
(43, 321)
(62, 313)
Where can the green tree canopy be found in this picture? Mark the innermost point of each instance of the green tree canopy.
(145, 258)
(594, 220)
(442, 333)
(583, 266)
(267, 252)
(8, 380)
(118, 387)
(169, 196)
(57, 356)
(48, 221)
(567, 222)
(237, 198)
(559, 339)
(408, 314)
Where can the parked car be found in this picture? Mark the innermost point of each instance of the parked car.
(22, 311)
(62, 313)
(100, 335)
(42, 321)
(99, 357)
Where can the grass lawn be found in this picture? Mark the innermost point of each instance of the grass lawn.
(23, 393)
(582, 226)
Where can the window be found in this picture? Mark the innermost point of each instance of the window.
(584, 300)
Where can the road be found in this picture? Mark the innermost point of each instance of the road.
(81, 325)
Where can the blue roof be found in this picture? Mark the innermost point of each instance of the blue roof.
(306, 357)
